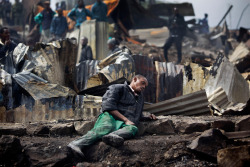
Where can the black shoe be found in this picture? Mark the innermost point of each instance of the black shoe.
(113, 140)
(76, 150)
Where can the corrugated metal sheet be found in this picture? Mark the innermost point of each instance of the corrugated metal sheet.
(223, 74)
(191, 104)
(97, 34)
(169, 81)
(46, 59)
(220, 104)
(144, 65)
(39, 88)
(93, 73)
(195, 78)
(120, 64)
(241, 57)
(87, 107)
(84, 71)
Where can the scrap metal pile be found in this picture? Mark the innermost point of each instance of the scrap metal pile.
(44, 83)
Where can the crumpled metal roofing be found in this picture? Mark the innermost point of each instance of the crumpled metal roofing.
(224, 74)
(191, 104)
(93, 73)
(39, 88)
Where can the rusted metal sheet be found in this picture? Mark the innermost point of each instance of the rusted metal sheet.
(44, 110)
(195, 77)
(46, 59)
(223, 74)
(169, 81)
(67, 60)
(84, 71)
(39, 88)
(144, 65)
(191, 104)
(87, 107)
(94, 73)
(118, 65)
(241, 57)
(55, 62)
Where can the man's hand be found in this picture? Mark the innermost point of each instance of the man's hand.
(128, 122)
(152, 116)
(7, 42)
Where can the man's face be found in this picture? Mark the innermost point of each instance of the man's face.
(80, 4)
(46, 5)
(139, 84)
(5, 35)
(60, 12)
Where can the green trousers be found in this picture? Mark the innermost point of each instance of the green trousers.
(104, 125)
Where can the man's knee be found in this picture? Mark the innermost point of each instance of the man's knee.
(133, 129)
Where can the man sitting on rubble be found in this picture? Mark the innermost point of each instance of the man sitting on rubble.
(122, 106)
(6, 45)
(112, 46)
(86, 53)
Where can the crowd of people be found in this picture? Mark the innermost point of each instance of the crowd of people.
(11, 14)
(54, 26)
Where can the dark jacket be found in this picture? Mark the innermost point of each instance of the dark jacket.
(6, 48)
(177, 26)
(47, 18)
(99, 11)
(120, 97)
(59, 25)
(86, 54)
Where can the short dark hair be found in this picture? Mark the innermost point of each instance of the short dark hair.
(2, 29)
(140, 76)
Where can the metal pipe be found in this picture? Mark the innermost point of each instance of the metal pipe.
(225, 15)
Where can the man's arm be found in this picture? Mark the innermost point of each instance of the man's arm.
(118, 115)
(71, 14)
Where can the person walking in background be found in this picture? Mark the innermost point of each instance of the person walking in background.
(204, 28)
(177, 28)
(17, 13)
(79, 13)
(44, 18)
(99, 11)
(86, 53)
(59, 26)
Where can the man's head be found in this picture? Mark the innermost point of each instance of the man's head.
(206, 15)
(80, 4)
(176, 11)
(139, 83)
(17, 1)
(111, 43)
(4, 34)
(60, 12)
(98, 1)
(47, 5)
(84, 41)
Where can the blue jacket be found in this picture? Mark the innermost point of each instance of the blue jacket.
(78, 16)
(99, 11)
(44, 18)
(59, 25)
